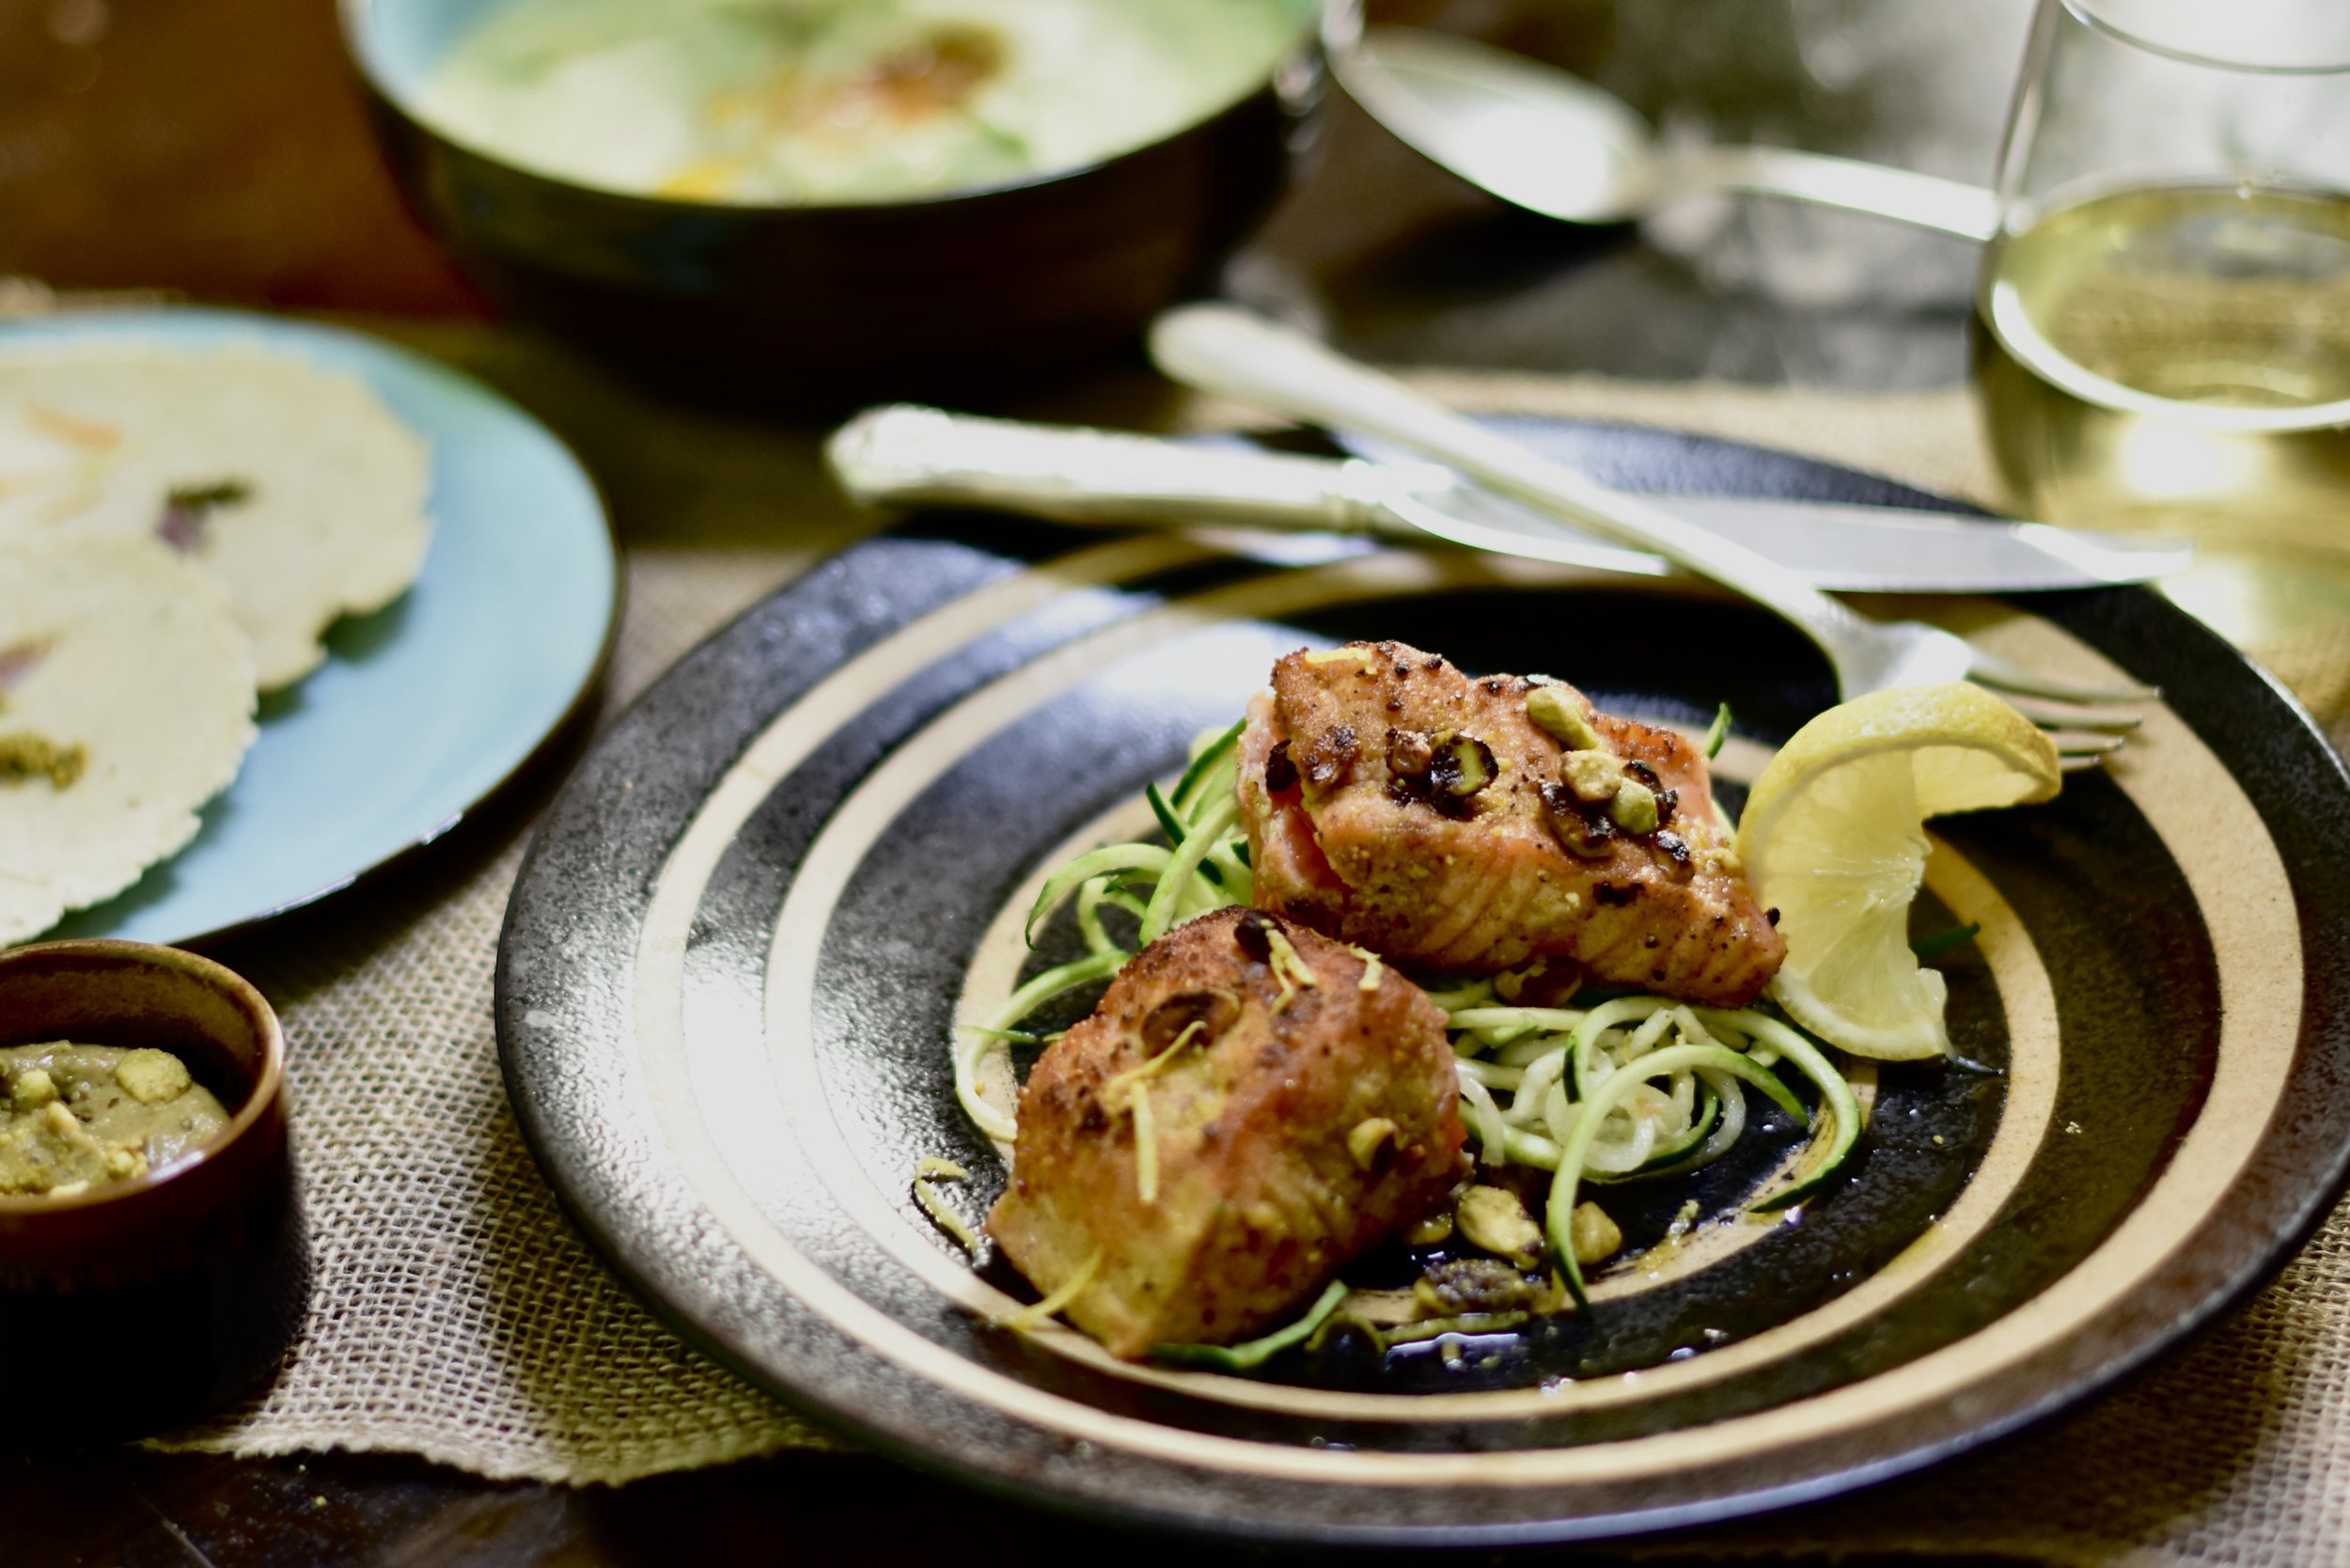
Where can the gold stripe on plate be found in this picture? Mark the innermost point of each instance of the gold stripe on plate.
(657, 977)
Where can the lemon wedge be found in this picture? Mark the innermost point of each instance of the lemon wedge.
(1831, 837)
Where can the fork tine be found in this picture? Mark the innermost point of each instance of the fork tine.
(2069, 763)
(2066, 715)
(1992, 670)
(2075, 742)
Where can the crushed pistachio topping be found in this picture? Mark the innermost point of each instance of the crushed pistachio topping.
(1634, 807)
(1495, 1220)
(1367, 1137)
(1463, 765)
(1593, 776)
(33, 1089)
(151, 1077)
(1559, 713)
(1592, 1234)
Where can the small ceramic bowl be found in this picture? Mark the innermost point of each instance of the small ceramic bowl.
(818, 308)
(132, 1305)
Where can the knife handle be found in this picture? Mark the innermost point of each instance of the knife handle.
(903, 453)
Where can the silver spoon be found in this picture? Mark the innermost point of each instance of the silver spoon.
(1554, 143)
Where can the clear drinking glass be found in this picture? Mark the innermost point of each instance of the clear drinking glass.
(2163, 325)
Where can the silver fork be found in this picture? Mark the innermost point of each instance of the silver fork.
(1233, 352)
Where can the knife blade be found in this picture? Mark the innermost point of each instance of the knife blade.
(905, 454)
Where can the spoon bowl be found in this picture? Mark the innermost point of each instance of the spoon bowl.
(1554, 143)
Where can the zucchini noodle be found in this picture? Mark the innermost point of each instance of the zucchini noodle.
(1036, 1312)
(1630, 1088)
(1620, 1087)
(978, 1041)
(1204, 867)
(928, 1170)
(1254, 1353)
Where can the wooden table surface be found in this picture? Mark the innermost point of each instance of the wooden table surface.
(215, 147)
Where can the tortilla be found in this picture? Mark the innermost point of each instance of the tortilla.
(293, 486)
(119, 652)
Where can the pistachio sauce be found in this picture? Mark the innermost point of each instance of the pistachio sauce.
(73, 1117)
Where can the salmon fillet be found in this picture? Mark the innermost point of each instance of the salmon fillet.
(1358, 792)
(1309, 1113)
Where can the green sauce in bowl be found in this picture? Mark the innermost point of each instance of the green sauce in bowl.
(826, 103)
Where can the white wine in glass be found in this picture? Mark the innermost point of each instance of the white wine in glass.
(2177, 354)
(2162, 328)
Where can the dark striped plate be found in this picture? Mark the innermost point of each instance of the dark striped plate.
(733, 958)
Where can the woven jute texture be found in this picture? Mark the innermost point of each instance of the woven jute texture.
(457, 1314)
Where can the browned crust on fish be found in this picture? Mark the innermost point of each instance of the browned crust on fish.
(1345, 838)
(1259, 1198)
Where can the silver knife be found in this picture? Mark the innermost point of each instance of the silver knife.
(902, 454)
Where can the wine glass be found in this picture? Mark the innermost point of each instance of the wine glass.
(2162, 326)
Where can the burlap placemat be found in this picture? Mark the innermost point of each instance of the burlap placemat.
(458, 1316)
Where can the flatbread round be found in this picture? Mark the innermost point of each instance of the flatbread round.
(126, 702)
(294, 486)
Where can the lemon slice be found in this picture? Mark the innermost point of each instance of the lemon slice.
(1831, 837)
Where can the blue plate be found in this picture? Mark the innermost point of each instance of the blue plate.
(422, 708)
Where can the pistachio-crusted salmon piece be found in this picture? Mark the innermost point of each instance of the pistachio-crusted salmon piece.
(1473, 825)
(1299, 1105)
